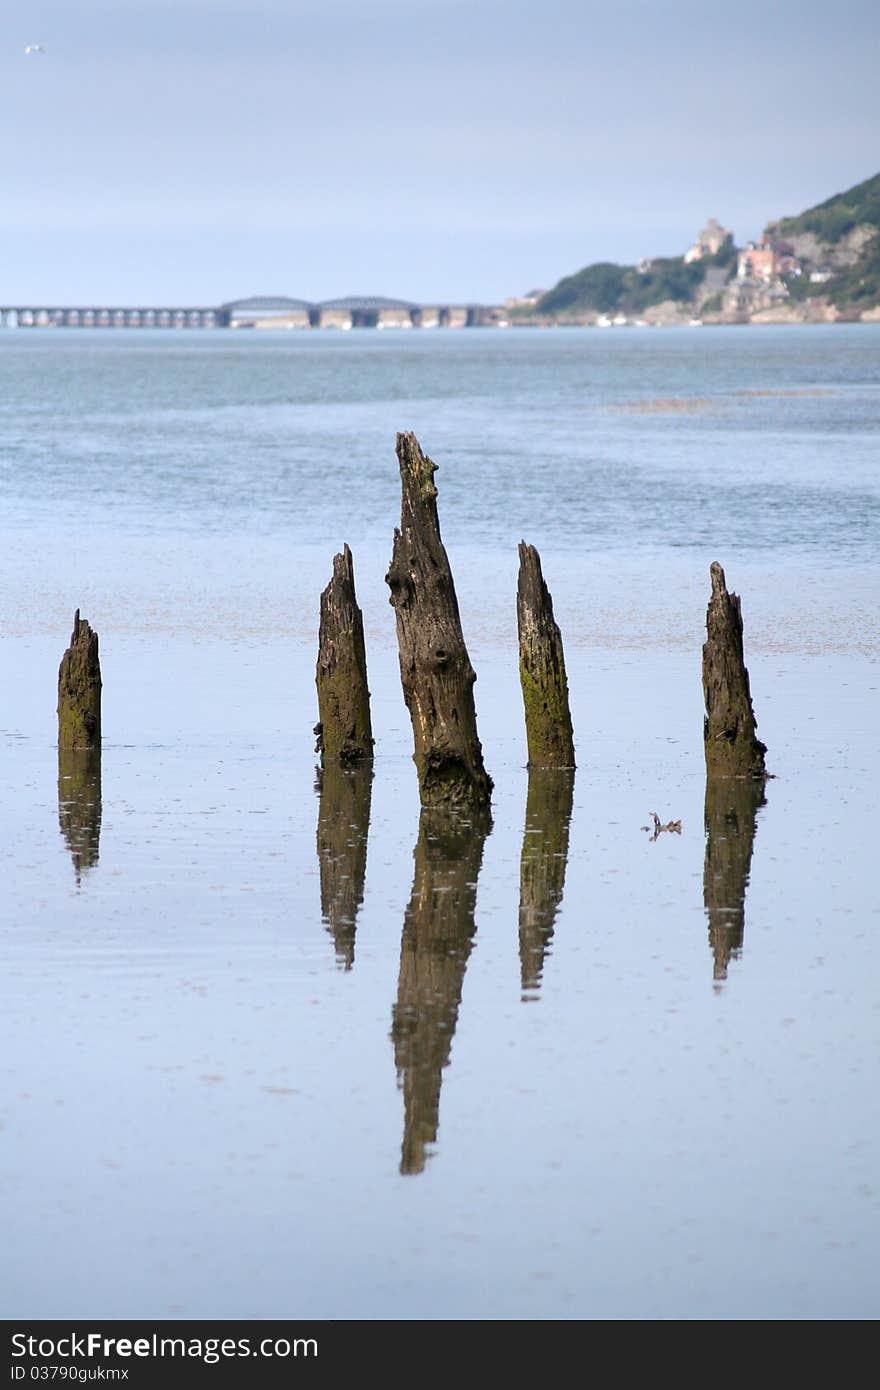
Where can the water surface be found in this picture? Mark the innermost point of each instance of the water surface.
(280, 1046)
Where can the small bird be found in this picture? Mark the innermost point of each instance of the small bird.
(673, 825)
(34, 48)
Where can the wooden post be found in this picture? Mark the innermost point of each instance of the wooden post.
(542, 668)
(542, 868)
(343, 823)
(731, 807)
(435, 669)
(344, 731)
(438, 932)
(732, 746)
(79, 690)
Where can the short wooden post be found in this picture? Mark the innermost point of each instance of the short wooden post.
(732, 746)
(542, 668)
(79, 690)
(344, 731)
(435, 669)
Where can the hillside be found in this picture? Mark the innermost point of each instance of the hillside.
(823, 264)
(830, 222)
(841, 236)
(606, 288)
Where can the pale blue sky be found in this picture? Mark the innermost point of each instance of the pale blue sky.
(205, 149)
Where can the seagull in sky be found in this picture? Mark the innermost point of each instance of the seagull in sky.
(34, 48)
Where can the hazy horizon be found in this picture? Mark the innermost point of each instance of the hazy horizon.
(205, 150)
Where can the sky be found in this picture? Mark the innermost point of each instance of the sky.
(203, 150)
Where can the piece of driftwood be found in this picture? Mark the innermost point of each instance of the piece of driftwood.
(344, 731)
(438, 931)
(343, 824)
(731, 808)
(542, 868)
(79, 805)
(79, 690)
(732, 746)
(435, 668)
(542, 668)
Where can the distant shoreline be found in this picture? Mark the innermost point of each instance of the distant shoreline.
(335, 330)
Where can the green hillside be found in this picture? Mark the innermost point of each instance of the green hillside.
(830, 237)
(854, 287)
(832, 220)
(605, 288)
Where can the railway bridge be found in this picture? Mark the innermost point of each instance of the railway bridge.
(260, 311)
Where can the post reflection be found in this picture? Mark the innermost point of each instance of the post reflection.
(731, 808)
(79, 805)
(542, 868)
(438, 931)
(343, 826)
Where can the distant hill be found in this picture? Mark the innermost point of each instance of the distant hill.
(606, 288)
(823, 264)
(834, 219)
(841, 235)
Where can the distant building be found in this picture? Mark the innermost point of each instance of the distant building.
(524, 301)
(756, 262)
(767, 260)
(708, 243)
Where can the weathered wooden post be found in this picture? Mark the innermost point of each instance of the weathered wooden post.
(542, 668)
(344, 731)
(343, 824)
(79, 690)
(542, 868)
(732, 746)
(437, 939)
(731, 808)
(435, 669)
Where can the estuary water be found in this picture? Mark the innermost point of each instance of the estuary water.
(273, 1045)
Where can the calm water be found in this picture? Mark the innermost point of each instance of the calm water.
(274, 1049)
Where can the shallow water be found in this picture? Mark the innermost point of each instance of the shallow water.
(273, 1053)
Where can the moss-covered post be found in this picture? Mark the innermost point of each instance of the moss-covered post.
(732, 746)
(79, 690)
(435, 669)
(542, 668)
(344, 731)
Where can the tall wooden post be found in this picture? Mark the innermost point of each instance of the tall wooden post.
(732, 746)
(542, 668)
(79, 690)
(435, 668)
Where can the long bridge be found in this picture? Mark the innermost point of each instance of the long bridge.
(261, 311)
